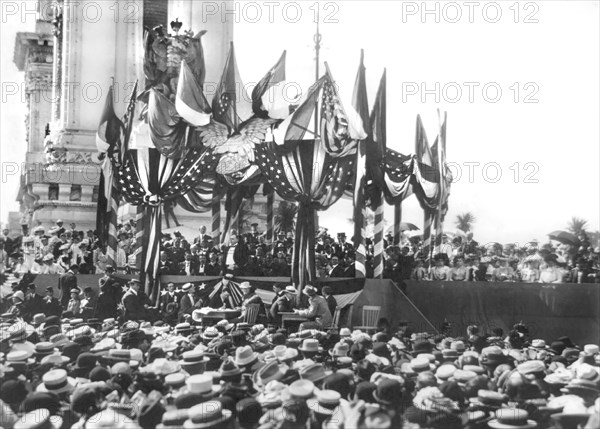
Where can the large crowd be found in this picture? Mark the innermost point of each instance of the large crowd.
(460, 258)
(60, 371)
(113, 359)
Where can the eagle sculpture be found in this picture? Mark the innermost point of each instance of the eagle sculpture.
(236, 147)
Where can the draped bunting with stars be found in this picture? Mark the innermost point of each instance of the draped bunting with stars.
(397, 176)
(148, 178)
(314, 172)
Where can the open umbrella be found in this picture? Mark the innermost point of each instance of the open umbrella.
(406, 226)
(564, 237)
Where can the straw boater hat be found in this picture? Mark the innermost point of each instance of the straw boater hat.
(326, 402)
(202, 384)
(512, 418)
(56, 381)
(207, 415)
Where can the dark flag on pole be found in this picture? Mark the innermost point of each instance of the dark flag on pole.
(231, 104)
(267, 97)
(107, 138)
(360, 108)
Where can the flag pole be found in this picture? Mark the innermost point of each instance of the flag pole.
(439, 228)
(317, 39)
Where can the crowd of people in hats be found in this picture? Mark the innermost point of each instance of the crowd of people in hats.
(62, 371)
(56, 250)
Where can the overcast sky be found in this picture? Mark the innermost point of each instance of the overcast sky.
(522, 98)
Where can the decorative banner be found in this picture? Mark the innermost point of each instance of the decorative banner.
(315, 173)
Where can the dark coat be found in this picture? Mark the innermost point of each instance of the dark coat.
(32, 306)
(52, 307)
(66, 282)
(186, 306)
(337, 271)
(134, 306)
(193, 268)
(106, 306)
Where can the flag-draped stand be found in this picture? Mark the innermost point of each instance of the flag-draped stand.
(200, 152)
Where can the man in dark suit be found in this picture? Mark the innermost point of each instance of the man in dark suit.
(165, 266)
(66, 282)
(189, 302)
(406, 263)
(33, 301)
(133, 302)
(170, 296)
(106, 303)
(51, 305)
(350, 270)
(336, 269)
(189, 267)
(211, 268)
(177, 252)
(331, 302)
(33, 304)
(236, 254)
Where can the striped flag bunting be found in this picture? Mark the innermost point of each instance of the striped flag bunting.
(314, 172)
(109, 136)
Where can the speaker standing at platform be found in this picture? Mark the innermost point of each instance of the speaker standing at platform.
(135, 303)
(66, 282)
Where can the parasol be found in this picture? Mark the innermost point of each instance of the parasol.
(564, 237)
(407, 226)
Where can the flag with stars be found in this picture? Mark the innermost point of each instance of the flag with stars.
(425, 169)
(338, 133)
(231, 104)
(108, 137)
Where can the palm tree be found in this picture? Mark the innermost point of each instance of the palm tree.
(244, 214)
(577, 226)
(465, 221)
(285, 217)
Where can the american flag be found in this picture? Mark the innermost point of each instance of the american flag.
(334, 122)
